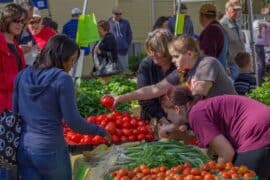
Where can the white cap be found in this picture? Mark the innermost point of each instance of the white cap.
(75, 11)
(36, 12)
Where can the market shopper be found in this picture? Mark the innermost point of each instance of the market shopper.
(45, 99)
(246, 80)
(153, 69)
(213, 39)
(161, 22)
(203, 74)
(237, 128)
(122, 32)
(40, 33)
(105, 49)
(12, 21)
(235, 35)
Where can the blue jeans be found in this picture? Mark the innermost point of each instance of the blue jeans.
(10, 174)
(123, 62)
(43, 164)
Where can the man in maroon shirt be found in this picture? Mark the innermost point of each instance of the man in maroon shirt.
(212, 39)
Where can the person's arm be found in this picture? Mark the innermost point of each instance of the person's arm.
(202, 87)
(223, 148)
(147, 92)
(70, 110)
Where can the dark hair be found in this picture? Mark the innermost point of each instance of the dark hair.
(242, 59)
(10, 13)
(56, 52)
(48, 22)
(209, 16)
(104, 25)
(182, 96)
(159, 22)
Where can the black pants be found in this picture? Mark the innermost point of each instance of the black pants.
(257, 160)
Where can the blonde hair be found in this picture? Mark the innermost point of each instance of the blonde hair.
(184, 43)
(158, 40)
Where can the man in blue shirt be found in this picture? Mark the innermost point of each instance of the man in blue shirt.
(70, 29)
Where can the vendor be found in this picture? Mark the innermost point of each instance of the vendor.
(236, 128)
(204, 74)
(153, 69)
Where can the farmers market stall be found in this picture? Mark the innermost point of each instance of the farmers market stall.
(154, 160)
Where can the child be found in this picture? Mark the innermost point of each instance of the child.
(246, 81)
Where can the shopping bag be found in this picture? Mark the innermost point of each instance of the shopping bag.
(10, 131)
(87, 31)
(179, 24)
(107, 66)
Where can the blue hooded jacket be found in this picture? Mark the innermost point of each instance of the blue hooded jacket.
(46, 97)
(123, 34)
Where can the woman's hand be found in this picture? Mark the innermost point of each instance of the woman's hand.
(97, 50)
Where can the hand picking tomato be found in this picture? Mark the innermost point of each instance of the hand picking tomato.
(107, 101)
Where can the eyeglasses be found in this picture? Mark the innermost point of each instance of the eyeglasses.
(118, 14)
(21, 21)
(35, 21)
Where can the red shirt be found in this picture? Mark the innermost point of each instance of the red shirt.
(43, 36)
(243, 121)
(8, 71)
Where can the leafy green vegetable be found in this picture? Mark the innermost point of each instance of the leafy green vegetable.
(262, 93)
(90, 91)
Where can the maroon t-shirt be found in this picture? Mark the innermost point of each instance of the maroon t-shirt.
(243, 121)
(211, 39)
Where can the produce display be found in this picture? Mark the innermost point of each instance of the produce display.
(122, 126)
(133, 154)
(89, 92)
(209, 171)
(262, 93)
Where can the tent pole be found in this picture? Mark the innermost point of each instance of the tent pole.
(84, 7)
(252, 43)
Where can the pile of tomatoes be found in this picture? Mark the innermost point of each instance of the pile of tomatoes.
(122, 127)
(210, 171)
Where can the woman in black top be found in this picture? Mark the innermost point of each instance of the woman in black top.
(106, 48)
(153, 69)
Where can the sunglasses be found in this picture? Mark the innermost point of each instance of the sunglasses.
(35, 21)
(21, 21)
(118, 14)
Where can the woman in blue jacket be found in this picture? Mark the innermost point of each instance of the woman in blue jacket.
(46, 97)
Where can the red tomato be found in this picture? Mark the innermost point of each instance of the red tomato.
(91, 119)
(132, 138)
(135, 132)
(111, 128)
(107, 101)
(103, 124)
(97, 140)
(141, 123)
(143, 129)
(126, 125)
(101, 118)
(126, 119)
(141, 137)
(126, 132)
(76, 138)
(134, 123)
(124, 139)
(115, 139)
(118, 123)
